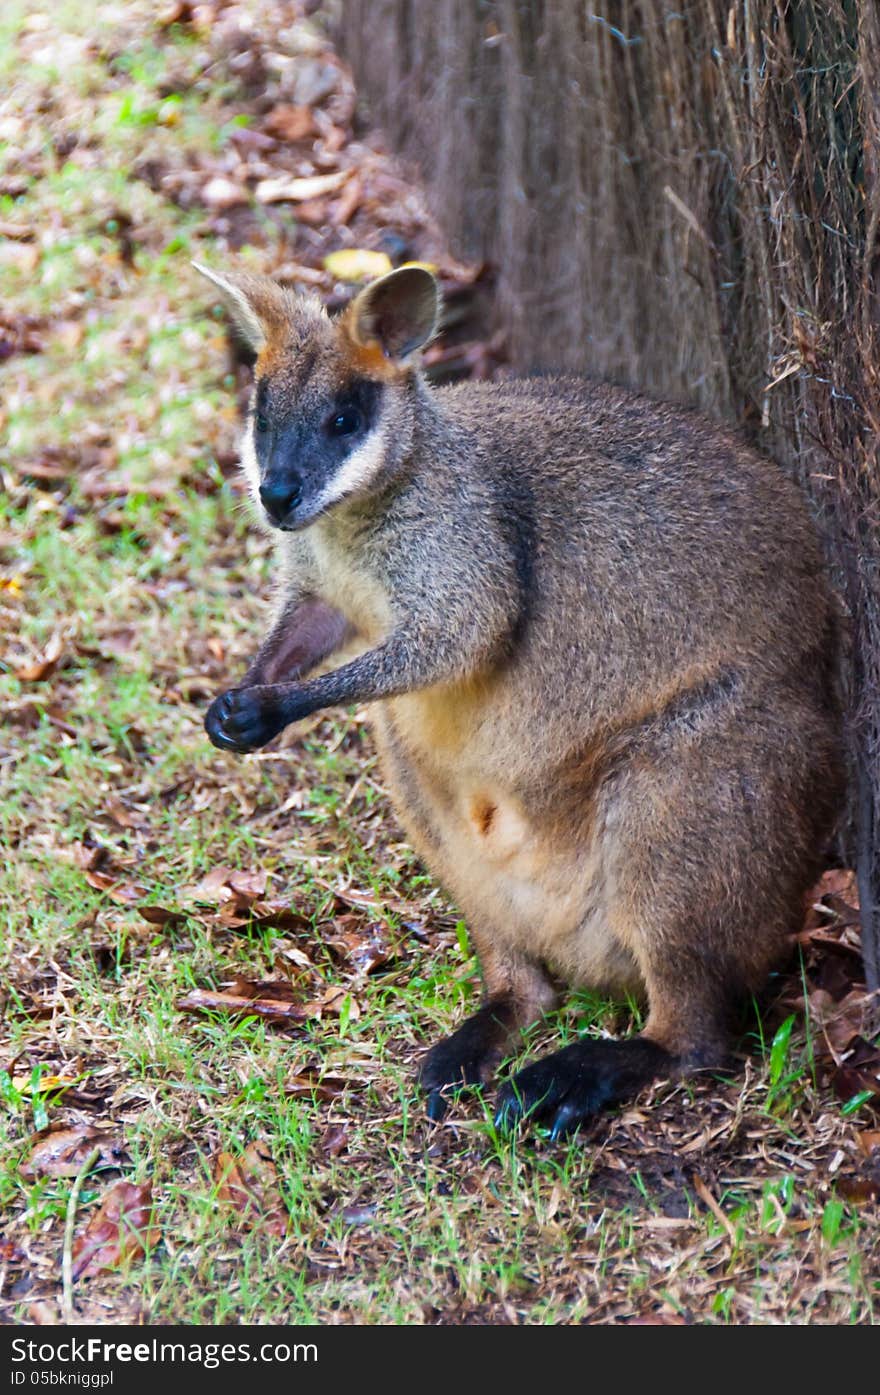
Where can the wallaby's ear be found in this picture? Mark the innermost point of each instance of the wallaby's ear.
(258, 306)
(399, 312)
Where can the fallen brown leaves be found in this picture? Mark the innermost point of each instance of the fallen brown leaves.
(122, 1229)
(289, 123)
(334, 1140)
(45, 664)
(249, 1185)
(269, 999)
(62, 1152)
(846, 1016)
(299, 150)
(230, 897)
(359, 945)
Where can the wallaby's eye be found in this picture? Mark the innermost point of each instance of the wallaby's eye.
(345, 423)
(261, 422)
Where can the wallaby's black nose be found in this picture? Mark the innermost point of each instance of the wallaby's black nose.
(279, 497)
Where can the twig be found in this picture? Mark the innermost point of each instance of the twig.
(67, 1255)
(705, 1195)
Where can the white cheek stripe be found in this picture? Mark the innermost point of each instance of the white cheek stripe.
(357, 470)
(249, 463)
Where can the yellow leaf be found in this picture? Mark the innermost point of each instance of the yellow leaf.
(25, 1085)
(356, 264)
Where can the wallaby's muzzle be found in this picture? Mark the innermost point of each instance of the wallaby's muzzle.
(280, 497)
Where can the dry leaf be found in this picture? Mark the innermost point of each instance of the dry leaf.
(335, 1140)
(313, 212)
(346, 207)
(118, 812)
(247, 886)
(357, 264)
(44, 666)
(338, 998)
(250, 1185)
(160, 915)
(19, 231)
(63, 1152)
(837, 881)
(49, 469)
(859, 1073)
(841, 1020)
(325, 1087)
(283, 189)
(46, 1084)
(364, 947)
(69, 334)
(227, 884)
(122, 1229)
(222, 193)
(290, 123)
(123, 893)
(858, 1189)
(269, 999)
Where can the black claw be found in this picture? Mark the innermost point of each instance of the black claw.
(532, 1094)
(566, 1123)
(228, 743)
(437, 1107)
(508, 1113)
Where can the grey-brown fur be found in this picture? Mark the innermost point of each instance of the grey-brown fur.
(598, 640)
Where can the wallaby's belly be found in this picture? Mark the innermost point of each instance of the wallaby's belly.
(507, 867)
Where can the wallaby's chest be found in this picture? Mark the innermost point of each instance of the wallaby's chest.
(346, 581)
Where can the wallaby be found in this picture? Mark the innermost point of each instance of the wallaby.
(599, 646)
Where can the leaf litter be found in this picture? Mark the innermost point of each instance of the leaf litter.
(121, 1230)
(62, 1151)
(249, 1186)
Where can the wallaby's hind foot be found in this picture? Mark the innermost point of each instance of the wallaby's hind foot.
(468, 1058)
(518, 990)
(567, 1089)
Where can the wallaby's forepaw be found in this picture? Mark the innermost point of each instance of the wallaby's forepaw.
(466, 1060)
(566, 1089)
(243, 720)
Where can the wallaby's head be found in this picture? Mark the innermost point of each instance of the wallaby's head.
(333, 408)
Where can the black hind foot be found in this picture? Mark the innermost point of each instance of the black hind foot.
(468, 1058)
(566, 1089)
